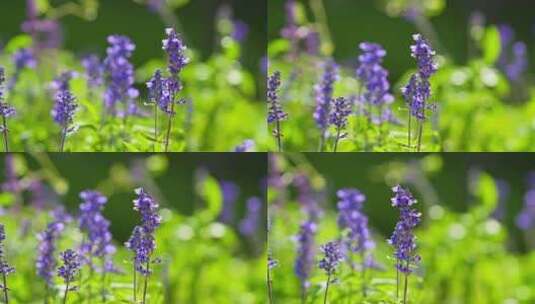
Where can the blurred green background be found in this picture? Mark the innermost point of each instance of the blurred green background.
(351, 22)
(173, 175)
(146, 28)
(449, 175)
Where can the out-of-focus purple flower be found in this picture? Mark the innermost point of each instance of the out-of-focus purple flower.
(119, 74)
(503, 194)
(94, 71)
(231, 192)
(403, 239)
(324, 95)
(12, 183)
(64, 108)
(62, 82)
(525, 220)
(307, 197)
(46, 34)
(291, 29)
(155, 5)
(246, 146)
(5, 269)
(240, 30)
(71, 265)
(251, 222)
(333, 255)
(341, 110)
(374, 79)
(22, 58)
(513, 60)
(175, 49)
(98, 241)
(305, 253)
(46, 257)
(418, 90)
(352, 218)
(275, 111)
(313, 43)
(142, 242)
(6, 110)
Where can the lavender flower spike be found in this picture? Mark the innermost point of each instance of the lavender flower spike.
(63, 112)
(341, 110)
(417, 92)
(94, 71)
(329, 263)
(305, 254)
(403, 239)
(5, 269)
(69, 270)
(324, 92)
(275, 112)
(6, 110)
(22, 58)
(142, 242)
(247, 145)
(177, 60)
(46, 260)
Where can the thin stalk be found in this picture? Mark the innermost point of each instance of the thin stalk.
(322, 140)
(155, 125)
(89, 285)
(135, 284)
(327, 289)
(278, 135)
(303, 295)
(62, 140)
(66, 292)
(146, 282)
(169, 126)
(46, 293)
(420, 131)
(405, 288)
(363, 274)
(337, 138)
(409, 131)
(6, 298)
(397, 280)
(4, 131)
(270, 287)
(103, 282)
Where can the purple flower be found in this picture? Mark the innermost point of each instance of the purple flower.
(61, 83)
(275, 112)
(71, 265)
(333, 255)
(403, 239)
(6, 110)
(231, 192)
(94, 71)
(418, 90)
(240, 30)
(307, 196)
(291, 29)
(313, 43)
(64, 108)
(246, 146)
(272, 263)
(374, 79)
(162, 91)
(324, 95)
(525, 220)
(175, 48)
(120, 75)
(142, 241)
(5, 269)
(251, 222)
(352, 218)
(98, 241)
(341, 110)
(22, 58)
(12, 183)
(305, 252)
(46, 259)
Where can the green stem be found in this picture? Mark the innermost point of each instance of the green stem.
(409, 130)
(145, 285)
(155, 125)
(397, 280)
(4, 131)
(405, 288)
(327, 289)
(420, 131)
(62, 140)
(322, 140)
(66, 292)
(135, 284)
(337, 138)
(6, 298)
(169, 126)
(278, 135)
(270, 287)
(363, 274)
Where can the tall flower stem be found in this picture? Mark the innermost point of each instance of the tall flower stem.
(278, 135)
(397, 280)
(270, 287)
(363, 274)
(145, 285)
(405, 288)
(326, 289)
(47, 287)
(62, 139)
(169, 126)
(409, 131)
(336, 140)
(66, 292)
(420, 131)
(4, 132)
(155, 125)
(322, 140)
(6, 298)
(135, 284)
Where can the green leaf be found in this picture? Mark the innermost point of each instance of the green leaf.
(209, 190)
(487, 193)
(491, 45)
(18, 42)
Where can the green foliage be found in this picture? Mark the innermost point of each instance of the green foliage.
(465, 258)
